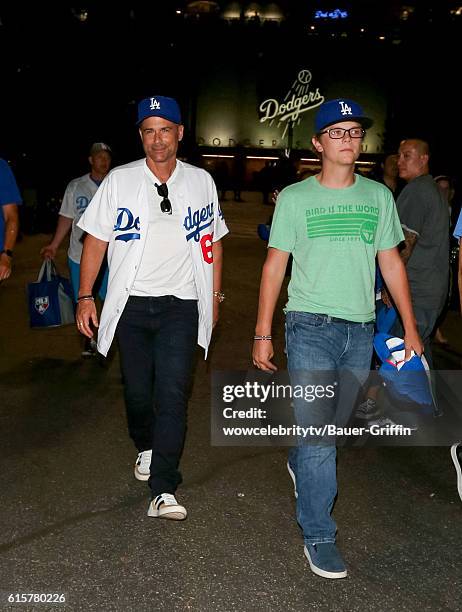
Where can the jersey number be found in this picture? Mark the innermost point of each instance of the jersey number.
(206, 246)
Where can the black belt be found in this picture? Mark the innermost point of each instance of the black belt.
(338, 320)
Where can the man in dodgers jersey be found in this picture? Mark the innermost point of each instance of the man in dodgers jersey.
(334, 224)
(77, 196)
(163, 224)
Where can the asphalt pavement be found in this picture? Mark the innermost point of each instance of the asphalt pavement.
(73, 518)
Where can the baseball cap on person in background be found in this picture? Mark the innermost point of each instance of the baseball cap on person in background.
(96, 147)
(340, 109)
(159, 106)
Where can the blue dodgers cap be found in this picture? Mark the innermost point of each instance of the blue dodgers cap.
(159, 106)
(340, 109)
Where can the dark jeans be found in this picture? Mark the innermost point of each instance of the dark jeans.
(157, 339)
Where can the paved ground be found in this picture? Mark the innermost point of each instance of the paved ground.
(73, 518)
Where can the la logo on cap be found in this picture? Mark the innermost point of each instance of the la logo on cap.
(154, 104)
(346, 110)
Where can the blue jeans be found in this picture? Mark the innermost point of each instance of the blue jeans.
(321, 350)
(157, 339)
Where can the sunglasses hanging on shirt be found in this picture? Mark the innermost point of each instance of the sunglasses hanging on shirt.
(165, 205)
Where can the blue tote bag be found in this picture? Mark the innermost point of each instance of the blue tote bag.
(405, 380)
(50, 298)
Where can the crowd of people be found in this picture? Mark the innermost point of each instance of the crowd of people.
(146, 237)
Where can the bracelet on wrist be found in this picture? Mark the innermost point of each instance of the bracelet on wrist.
(82, 298)
(219, 295)
(256, 337)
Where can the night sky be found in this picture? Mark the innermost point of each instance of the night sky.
(67, 83)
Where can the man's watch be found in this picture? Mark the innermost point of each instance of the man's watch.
(219, 295)
(8, 252)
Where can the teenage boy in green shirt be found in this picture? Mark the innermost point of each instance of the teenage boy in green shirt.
(334, 224)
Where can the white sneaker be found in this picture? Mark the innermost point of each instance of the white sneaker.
(166, 506)
(383, 422)
(387, 423)
(143, 465)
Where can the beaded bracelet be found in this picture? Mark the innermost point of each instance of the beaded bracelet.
(85, 297)
(263, 337)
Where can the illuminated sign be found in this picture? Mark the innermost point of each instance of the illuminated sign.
(335, 14)
(298, 100)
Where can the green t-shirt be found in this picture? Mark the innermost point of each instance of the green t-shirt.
(334, 236)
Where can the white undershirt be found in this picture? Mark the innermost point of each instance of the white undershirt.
(166, 265)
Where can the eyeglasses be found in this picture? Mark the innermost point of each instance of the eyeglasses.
(165, 205)
(337, 133)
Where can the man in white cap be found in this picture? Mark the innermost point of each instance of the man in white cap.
(163, 224)
(334, 224)
(77, 197)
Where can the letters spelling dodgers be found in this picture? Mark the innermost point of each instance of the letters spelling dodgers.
(195, 221)
(271, 107)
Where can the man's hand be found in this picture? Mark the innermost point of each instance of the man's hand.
(62, 229)
(86, 316)
(5, 266)
(48, 252)
(271, 280)
(412, 342)
(262, 354)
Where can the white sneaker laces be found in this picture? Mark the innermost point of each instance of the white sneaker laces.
(144, 460)
(168, 499)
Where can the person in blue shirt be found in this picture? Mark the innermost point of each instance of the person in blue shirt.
(456, 448)
(458, 236)
(10, 198)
